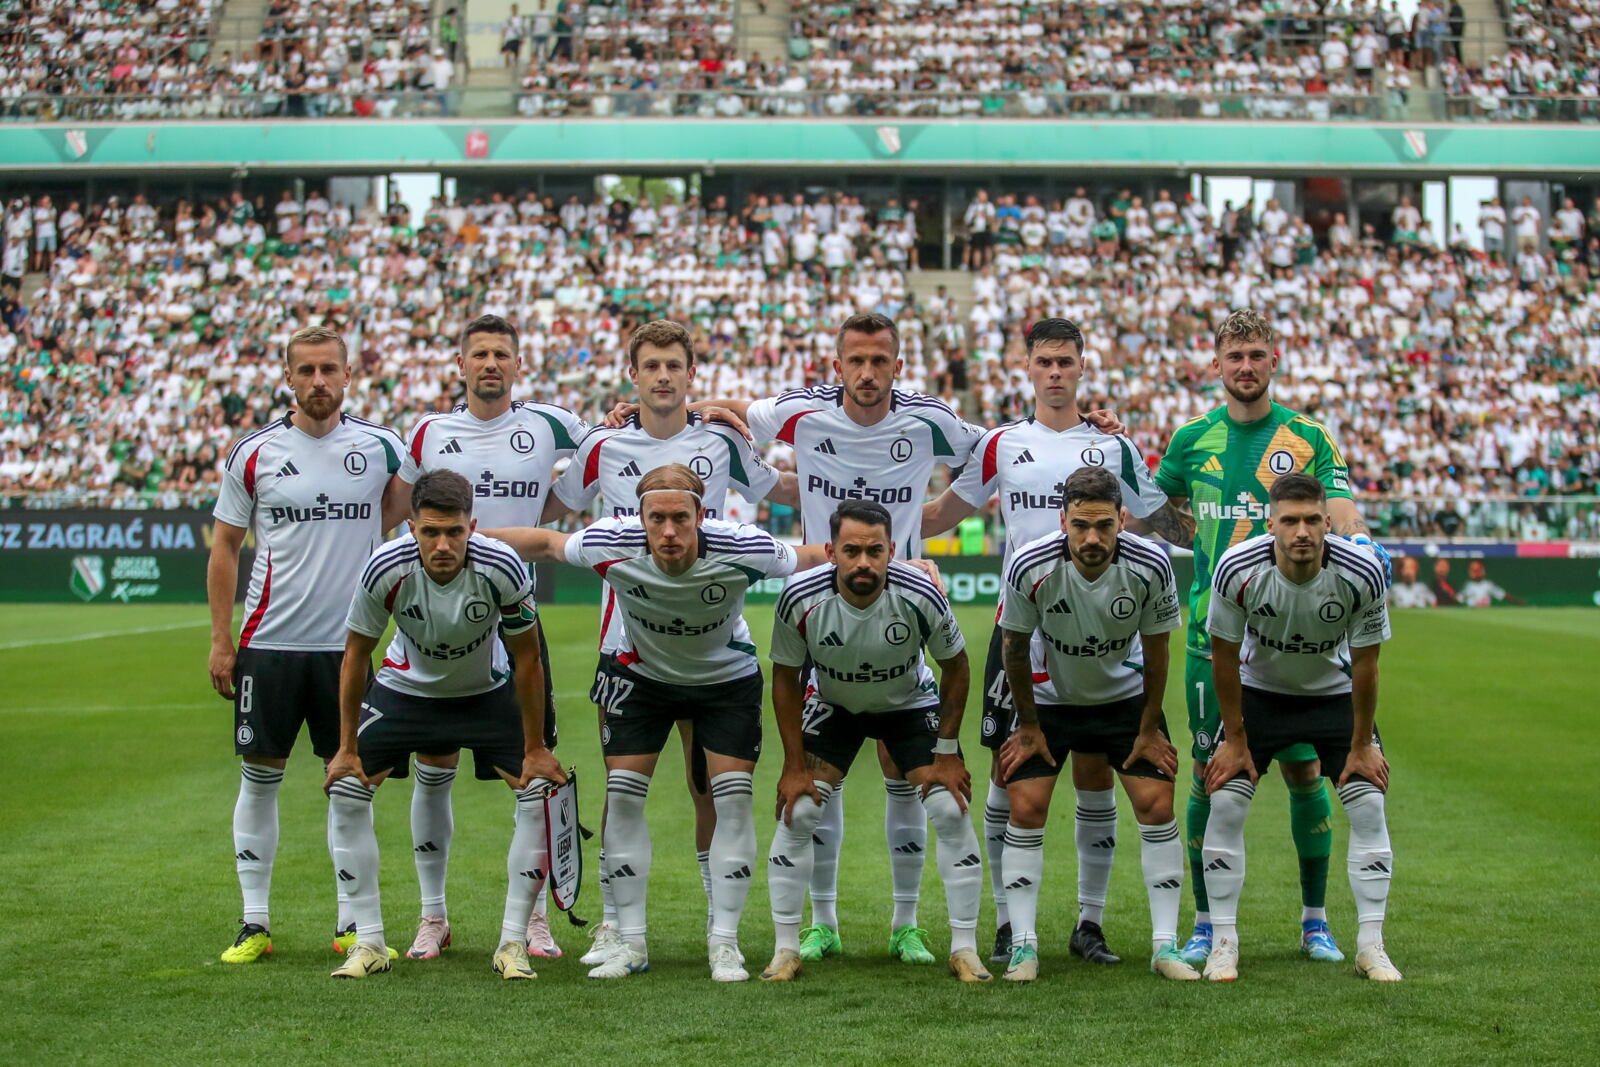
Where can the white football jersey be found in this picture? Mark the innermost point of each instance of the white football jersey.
(1295, 639)
(446, 637)
(866, 659)
(1086, 647)
(610, 462)
(838, 459)
(687, 629)
(1028, 464)
(316, 504)
(509, 460)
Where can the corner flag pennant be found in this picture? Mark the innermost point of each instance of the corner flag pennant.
(564, 837)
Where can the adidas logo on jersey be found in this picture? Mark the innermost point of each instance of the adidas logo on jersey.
(826, 447)
(413, 612)
(1026, 457)
(288, 470)
(638, 591)
(1212, 466)
(452, 448)
(1060, 607)
(630, 471)
(1265, 611)
(832, 639)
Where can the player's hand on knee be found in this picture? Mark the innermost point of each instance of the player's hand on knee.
(223, 659)
(931, 569)
(950, 771)
(1156, 748)
(541, 763)
(1024, 743)
(727, 418)
(1366, 762)
(619, 415)
(1105, 420)
(345, 764)
(1229, 760)
(794, 783)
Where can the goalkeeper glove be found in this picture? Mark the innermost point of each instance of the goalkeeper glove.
(1379, 551)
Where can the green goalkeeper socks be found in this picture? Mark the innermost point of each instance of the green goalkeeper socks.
(1195, 836)
(1311, 824)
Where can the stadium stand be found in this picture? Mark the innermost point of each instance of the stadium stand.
(154, 340)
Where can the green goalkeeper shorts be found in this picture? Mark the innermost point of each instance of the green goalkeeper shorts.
(1200, 694)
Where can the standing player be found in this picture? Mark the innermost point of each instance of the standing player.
(858, 627)
(460, 602)
(507, 450)
(863, 439)
(609, 463)
(1223, 464)
(1093, 606)
(1296, 621)
(683, 651)
(1026, 464)
(319, 488)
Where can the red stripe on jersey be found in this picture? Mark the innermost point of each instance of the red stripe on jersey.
(991, 457)
(406, 666)
(605, 565)
(254, 622)
(786, 435)
(801, 625)
(1034, 591)
(626, 658)
(250, 473)
(1246, 585)
(416, 442)
(591, 466)
(605, 620)
(1040, 677)
(388, 601)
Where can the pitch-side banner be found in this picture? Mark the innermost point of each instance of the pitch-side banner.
(103, 556)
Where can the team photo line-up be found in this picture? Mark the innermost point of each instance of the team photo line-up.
(1286, 615)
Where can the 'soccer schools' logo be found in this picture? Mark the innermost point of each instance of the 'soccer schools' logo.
(132, 577)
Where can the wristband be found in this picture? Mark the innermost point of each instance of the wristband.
(946, 746)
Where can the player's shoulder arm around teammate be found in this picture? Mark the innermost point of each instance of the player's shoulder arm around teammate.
(532, 543)
(752, 477)
(411, 458)
(604, 542)
(579, 484)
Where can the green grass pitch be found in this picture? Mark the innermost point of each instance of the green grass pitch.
(118, 779)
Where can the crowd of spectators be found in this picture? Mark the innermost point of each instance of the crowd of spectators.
(1447, 374)
(1550, 71)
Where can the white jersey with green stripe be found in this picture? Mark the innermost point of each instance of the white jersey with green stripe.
(1086, 646)
(890, 461)
(1295, 638)
(682, 629)
(316, 505)
(509, 459)
(867, 659)
(610, 461)
(446, 637)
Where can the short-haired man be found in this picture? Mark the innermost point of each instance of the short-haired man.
(507, 450)
(460, 602)
(609, 462)
(318, 487)
(683, 652)
(855, 630)
(1086, 618)
(1223, 464)
(1026, 464)
(1296, 621)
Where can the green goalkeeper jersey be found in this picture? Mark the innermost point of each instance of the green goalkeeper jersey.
(1225, 469)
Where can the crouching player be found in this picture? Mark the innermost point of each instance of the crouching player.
(1296, 621)
(861, 622)
(1086, 618)
(460, 601)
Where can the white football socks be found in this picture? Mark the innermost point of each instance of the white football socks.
(733, 853)
(1024, 870)
(960, 866)
(627, 839)
(432, 826)
(789, 866)
(996, 814)
(255, 837)
(1370, 861)
(827, 839)
(1161, 858)
(355, 856)
(527, 862)
(905, 829)
(1095, 834)
(1223, 855)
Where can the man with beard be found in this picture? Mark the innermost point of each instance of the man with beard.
(1223, 464)
(319, 487)
(507, 450)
